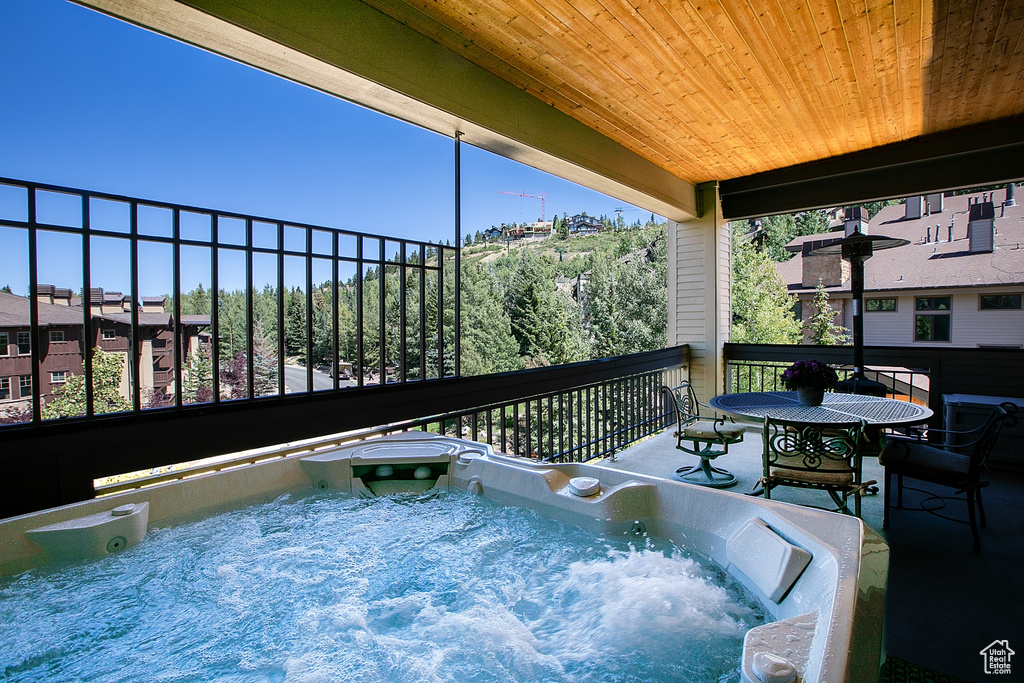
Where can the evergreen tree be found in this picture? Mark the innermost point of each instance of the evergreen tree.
(626, 302)
(822, 326)
(811, 222)
(295, 323)
(196, 302)
(197, 378)
(776, 232)
(762, 307)
(561, 228)
(487, 342)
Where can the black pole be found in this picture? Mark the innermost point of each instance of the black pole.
(857, 286)
(857, 253)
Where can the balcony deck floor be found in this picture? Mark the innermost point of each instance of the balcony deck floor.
(944, 603)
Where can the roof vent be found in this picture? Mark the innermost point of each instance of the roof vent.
(913, 207)
(1010, 201)
(981, 227)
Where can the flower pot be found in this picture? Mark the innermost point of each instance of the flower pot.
(810, 397)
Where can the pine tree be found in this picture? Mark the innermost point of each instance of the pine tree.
(197, 378)
(822, 326)
(295, 323)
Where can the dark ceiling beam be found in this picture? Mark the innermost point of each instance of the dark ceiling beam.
(989, 154)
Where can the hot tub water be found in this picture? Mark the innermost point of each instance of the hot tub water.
(325, 587)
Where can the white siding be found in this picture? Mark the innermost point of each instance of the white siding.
(700, 308)
(970, 326)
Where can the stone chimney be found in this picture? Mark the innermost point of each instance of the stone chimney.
(913, 208)
(933, 203)
(830, 269)
(981, 227)
(856, 220)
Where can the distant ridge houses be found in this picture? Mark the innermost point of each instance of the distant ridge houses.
(61, 335)
(580, 224)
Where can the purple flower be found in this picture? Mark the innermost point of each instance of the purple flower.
(809, 374)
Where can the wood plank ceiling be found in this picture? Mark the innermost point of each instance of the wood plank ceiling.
(713, 90)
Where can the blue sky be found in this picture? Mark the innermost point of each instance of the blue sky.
(93, 103)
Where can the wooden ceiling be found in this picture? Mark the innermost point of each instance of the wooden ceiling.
(714, 90)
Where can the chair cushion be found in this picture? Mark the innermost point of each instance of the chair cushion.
(831, 472)
(705, 429)
(920, 460)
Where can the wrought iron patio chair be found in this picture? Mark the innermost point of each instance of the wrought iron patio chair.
(958, 466)
(710, 437)
(815, 456)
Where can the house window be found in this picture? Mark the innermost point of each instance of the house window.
(56, 336)
(880, 305)
(59, 376)
(993, 302)
(25, 386)
(798, 309)
(24, 343)
(5, 388)
(109, 334)
(3, 343)
(932, 321)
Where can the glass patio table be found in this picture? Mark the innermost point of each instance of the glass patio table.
(835, 408)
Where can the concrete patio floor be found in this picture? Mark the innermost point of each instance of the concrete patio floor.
(944, 603)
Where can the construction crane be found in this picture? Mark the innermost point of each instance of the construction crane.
(543, 197)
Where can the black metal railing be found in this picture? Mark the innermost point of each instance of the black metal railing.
(581, 422)
(574, 425)
(245, 294)
(572, 412)
(908, 384)
(923, 374)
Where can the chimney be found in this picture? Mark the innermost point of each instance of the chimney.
(44, 294)
(950, 233)
(929, 237)
(913, 208)
(980, 228)
(933, 203)
(828, 269)
(856, 220)
(1010, 201)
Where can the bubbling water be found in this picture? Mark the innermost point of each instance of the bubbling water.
(432, 587)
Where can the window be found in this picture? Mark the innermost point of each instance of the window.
(992, 302)
(25, 386)
(24, 343)
(5, 388)
(56, 336)
(798, 309)
(880, 305)
(3, 343)
(59, 376)
(109, 334)
(932, 322)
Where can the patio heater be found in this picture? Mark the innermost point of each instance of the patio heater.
(857, 247)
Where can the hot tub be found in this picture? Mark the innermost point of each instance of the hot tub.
(819, 576)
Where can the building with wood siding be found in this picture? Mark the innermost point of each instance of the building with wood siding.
(61, 330)
(959, 283)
